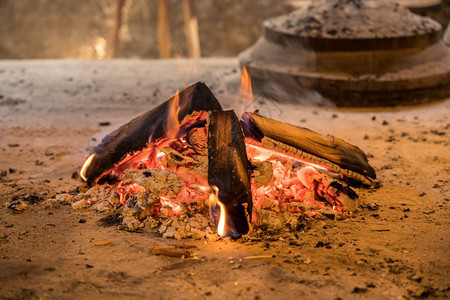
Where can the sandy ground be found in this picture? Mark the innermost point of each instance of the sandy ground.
(49, 117)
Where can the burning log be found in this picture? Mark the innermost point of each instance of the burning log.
(147, 128)
(159, 166)
(229, 168)
(328, 151)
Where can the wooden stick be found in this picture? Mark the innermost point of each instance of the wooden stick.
(172, 251)
(115, 32)
(257, 257)
(103, 243)
(191, 29)
(163, 29)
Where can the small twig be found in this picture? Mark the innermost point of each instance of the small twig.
(104, 243)
(172, 251)
(258, 257)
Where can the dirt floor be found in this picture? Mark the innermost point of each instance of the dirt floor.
(396, 247)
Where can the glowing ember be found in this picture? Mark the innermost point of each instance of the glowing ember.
(265, 154)
(125, 191)
(166, 202)
(284, 182)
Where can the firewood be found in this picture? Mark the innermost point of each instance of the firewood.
(228, 166)
(306, 145)
(253, 257)
(149, 127)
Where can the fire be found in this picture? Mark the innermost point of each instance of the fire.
(173, 125)
(246, 87)
(85, 166)
(213, 203)
(127, 190)
(170, 175)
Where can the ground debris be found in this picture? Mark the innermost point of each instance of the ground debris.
(423, 292)
(174, 251)
(17, 205)
(359, 290)
(102, 243)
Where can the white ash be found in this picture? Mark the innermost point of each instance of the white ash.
(145, 212)
(353, 19)
(155, 181)
(136, 213)
(92, 196)
(263, 173)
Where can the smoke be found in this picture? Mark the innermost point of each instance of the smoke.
(287, 89)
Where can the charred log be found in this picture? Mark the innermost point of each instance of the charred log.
(229, 168)
(149, 127)
(327, 151)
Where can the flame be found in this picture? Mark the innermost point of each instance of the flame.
(213, 202)
(173, 124)
(85, 166)
(246, 87)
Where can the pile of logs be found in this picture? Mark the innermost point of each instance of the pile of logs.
(228, 166)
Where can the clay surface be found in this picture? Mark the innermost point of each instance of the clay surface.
(51, 111)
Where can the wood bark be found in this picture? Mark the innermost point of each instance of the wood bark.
(328, 151)
(149, 127)
(229, 168)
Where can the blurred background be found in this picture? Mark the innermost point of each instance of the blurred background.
(97, 29)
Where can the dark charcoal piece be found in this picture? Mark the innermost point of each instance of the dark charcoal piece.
(148, 127)
(228, 166)
(328, 151)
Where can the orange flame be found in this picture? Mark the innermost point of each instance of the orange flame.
(173, 125)
(246, 86)
(214, 201)
(85, 166)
